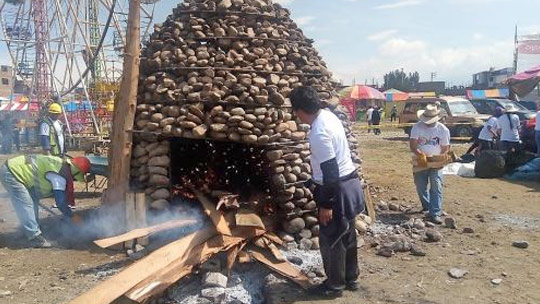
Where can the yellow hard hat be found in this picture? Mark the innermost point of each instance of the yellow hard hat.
(55, 108)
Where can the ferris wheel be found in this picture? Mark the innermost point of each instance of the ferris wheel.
(58, 47)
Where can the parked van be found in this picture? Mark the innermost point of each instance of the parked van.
(459, 115)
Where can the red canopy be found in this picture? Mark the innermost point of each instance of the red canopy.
(524, 83)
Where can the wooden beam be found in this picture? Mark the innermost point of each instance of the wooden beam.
(124, 111)
(369, 204)
(161, 280)
(143, 232)
(140, 215)
(131, 221)
(222, 225)
(113, 288)
(286, 269)
(232, 254)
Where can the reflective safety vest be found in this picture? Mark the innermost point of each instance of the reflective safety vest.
(56, 150)
(30, 170)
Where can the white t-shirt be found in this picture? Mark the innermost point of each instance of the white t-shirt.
(486, 134)
(507, 132)
(537, 127)
(369, 113)
(328, 140)
(430, 140)
(44, 130)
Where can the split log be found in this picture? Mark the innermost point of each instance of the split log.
(286, 269)
(161, 280)
(216, 216)
(113, 288)
(143, 232)
(369, 204)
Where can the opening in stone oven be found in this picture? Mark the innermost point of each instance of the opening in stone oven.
(235, 172)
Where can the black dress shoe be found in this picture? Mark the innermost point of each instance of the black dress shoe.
(323, 291)
(352, 286)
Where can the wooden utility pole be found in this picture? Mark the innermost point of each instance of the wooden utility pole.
(124, 112)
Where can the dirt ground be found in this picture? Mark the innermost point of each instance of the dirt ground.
(498, 211)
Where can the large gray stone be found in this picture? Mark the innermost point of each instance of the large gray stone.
(457, 273)
(214, 294)
(214, 279)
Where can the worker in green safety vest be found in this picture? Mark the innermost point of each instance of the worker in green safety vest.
(51, 132)
(29, 178)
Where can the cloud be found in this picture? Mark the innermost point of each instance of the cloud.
(322, 43)
(382, 35)
(284, 2)
(399, 4)
(304, 20)
(453, 64)
(478, 36)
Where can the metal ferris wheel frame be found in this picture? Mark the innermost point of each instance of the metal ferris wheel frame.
(61, 46)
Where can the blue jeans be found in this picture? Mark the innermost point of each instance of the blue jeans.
(537, 138)
(25, 204)
(431, 199)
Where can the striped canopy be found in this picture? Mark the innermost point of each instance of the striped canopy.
(495, 93)
(14, 106)
(362, 92)
(396, 95)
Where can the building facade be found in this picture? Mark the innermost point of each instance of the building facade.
(6, 77)
(491, 79)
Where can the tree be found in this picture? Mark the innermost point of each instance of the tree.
(399, 80)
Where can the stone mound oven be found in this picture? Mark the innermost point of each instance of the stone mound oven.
(213, 112)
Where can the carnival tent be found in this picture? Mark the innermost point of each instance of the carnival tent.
(362, 92)
(395, 95)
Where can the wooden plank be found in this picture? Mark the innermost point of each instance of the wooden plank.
(140, 214)
(131, 218)
(222, 225)
(143, 232)
(369, 204)
(111, 289)
(274, 250)
(124, 111)
(248, 218)
(244, 257)
(286, 269)
(232, 254)
(162, 279)
(274, 238)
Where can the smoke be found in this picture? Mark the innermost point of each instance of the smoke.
(108, 221)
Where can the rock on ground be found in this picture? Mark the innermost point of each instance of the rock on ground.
(521, 244)
(214, 279)
(457, 273)
(214, 294)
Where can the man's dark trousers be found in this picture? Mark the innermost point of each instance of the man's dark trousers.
(341, 260)
(337, 239)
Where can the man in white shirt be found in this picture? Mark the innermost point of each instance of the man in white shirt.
(369, 117)
(51, 132)
(338, 192)
(509, 125)
(537, 133)
(429, 139)
(490, 131)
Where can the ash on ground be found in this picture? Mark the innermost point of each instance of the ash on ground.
(245, 285)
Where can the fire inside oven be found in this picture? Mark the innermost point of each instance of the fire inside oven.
(219, 167)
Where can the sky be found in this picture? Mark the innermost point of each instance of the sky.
(364, 39)
(361, 40)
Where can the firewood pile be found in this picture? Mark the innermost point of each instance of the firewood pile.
(222, 71)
